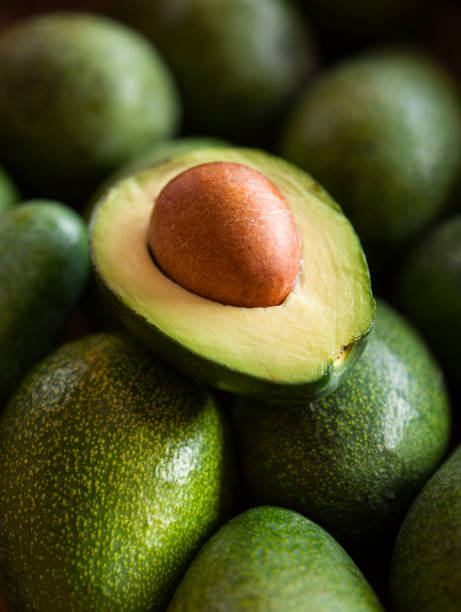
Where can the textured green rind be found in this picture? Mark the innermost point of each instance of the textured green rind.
(44, 267)
(211, 372)
(426, 566)
(111, 96)
(113, 470)
(429, 291)
(355, 460)
(391, 160)
(273, 559)
(8, 193)
(237, 63)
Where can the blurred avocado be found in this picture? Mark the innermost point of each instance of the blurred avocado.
(80, 94)
(237, 62)
(8, 192)
(428, 290)
(382, 133)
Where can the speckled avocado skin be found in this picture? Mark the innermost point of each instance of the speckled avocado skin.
(355, 460)
(426, 566)
(113, 471)
(44, 265)
(270, 558)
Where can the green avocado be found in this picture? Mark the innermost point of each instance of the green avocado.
(382, 133)
(300, 348)
(355, 460)
(237, 62)
(426, 566)
(113, 471)
(44, 267)
(80, 95)
(8, 193)
(428, 290)
(270, 558)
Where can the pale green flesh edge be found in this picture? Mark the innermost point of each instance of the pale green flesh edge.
(292, 343)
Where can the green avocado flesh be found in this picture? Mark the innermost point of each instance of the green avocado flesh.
(114, 469)
(299, 348)
(270, 558)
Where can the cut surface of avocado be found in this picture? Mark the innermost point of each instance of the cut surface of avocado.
(304, 343)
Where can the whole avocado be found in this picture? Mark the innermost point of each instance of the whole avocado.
(270, 558)
(44, 268)
(113, 469)
(428, 288)
(80, 94)
(382, 133)
(237, 63)
(426, 565)
(355, 460)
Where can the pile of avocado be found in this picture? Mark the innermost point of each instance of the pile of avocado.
(230, 305)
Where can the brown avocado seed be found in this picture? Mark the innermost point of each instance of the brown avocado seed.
(225, 232)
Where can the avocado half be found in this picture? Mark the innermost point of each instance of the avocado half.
(298, 350)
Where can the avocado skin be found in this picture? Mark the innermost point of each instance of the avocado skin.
(270, 558)
(237, 63)
(381, 132)
(428, 290)
(44, 268)
(426, 566)
(114, 469)
(8, 193)
(111, 94)
(355, 460)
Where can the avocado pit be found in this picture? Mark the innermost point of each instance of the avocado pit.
(225, 232)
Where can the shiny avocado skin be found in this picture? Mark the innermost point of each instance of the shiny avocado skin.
(270, 558)
(426, 565)
(44, 267)
(113, 470)
(354, 460)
